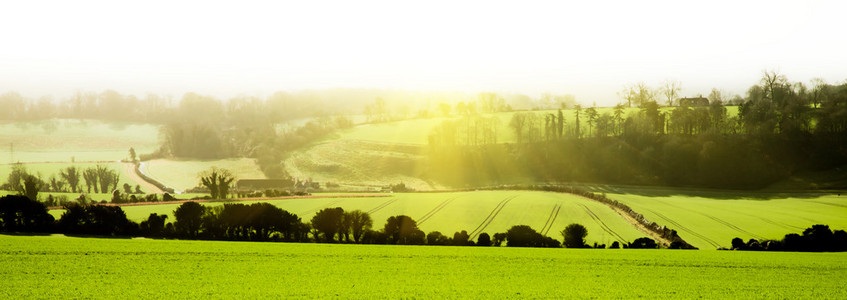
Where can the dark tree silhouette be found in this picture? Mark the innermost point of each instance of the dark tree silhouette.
(738, 244)
(96, 220)
(643, 243)
(523, 236)
(22, 214)
(484, 240)
(460, 238)
(154, 226)
(499, 238)
(436, 238)
(328, 222)
(189, 219)
(403, 230)
(360, 222)
(574, 235)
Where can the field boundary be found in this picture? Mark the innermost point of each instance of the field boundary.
(241, 199)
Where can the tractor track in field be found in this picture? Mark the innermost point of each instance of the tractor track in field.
(319, 207)
(381, 206)
(827, 203)
(603, 225)
(731, 226)
(780, 224)
(683, 228)
(493, 214)
(716, 219)
(435, 210)
(552, 218)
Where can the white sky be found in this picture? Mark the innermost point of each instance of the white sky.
(255, 48)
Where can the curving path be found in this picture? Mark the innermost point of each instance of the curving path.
(129, 170)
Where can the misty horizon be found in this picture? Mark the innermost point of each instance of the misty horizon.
(588, 50)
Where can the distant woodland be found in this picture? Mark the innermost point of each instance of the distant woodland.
(781, 128)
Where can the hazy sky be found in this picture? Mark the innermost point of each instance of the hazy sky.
(587, 48)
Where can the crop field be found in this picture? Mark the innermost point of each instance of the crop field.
(711, 218)
(362, 163)
(183, 174)
(64, 140)
(59, 267)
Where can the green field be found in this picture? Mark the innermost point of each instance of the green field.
(66, 140)
(184, 174)
(711, 218)
(62, 267)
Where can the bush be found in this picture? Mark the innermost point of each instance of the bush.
(643, 243)
(574, 235)
(21, 214)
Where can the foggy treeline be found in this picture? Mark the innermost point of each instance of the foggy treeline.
(279, 107)
(781, 128)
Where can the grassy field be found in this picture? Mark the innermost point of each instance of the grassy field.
(711, 218)
(183, 174)
(62, 267)
(64, 140)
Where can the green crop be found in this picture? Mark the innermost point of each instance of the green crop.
(63, 267)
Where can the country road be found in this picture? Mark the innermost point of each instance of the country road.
(129, 169)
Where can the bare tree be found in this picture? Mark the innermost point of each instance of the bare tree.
(716, 96)
(771, 82)
(518, 123)
(628, 93)
(670, 89)
(818, 91)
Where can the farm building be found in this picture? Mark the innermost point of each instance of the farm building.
(694, 101)
(264, 184)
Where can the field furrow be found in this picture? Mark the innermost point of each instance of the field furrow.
(381, 206)
(435, 210)
(603, 225)
(550, 219)
(490, 217)
(676, 225)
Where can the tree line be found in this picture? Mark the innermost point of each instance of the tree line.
(818, 238)
(265, 222)
(781, 128)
